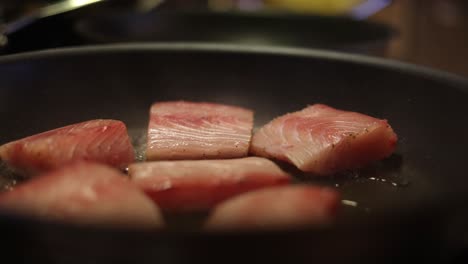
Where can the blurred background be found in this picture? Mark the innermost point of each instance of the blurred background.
(433, 33)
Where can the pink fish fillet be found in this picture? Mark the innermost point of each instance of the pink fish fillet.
(277, 207)
(198, 185)
(104, 141)
(324, 140)
(84, 193)
(187, 130)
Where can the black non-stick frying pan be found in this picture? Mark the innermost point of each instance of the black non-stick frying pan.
(328, 32)
(408, 206)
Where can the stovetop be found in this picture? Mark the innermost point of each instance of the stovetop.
(52, 32)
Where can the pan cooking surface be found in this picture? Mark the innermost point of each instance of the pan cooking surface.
(52, 89)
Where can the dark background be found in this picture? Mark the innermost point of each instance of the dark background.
(433, 33)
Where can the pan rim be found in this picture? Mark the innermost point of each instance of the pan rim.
(458, 81)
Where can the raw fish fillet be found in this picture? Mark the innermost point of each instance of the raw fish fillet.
(84, 193)
(277, 207)
(104, 141)
(324, 140)
(186, 130)
(198, 185)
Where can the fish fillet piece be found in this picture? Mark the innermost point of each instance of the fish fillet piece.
(187, 130)
(198, 185)
(324, 140)
(104, 141)
(84, 193)
(276, 207)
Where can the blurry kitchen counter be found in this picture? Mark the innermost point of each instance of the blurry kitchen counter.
(433, 33)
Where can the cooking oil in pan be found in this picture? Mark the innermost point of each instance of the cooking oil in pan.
(8, 178)
(139, 143)
(394, 183)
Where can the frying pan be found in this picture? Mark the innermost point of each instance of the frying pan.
(414, 218)
(276, 29)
